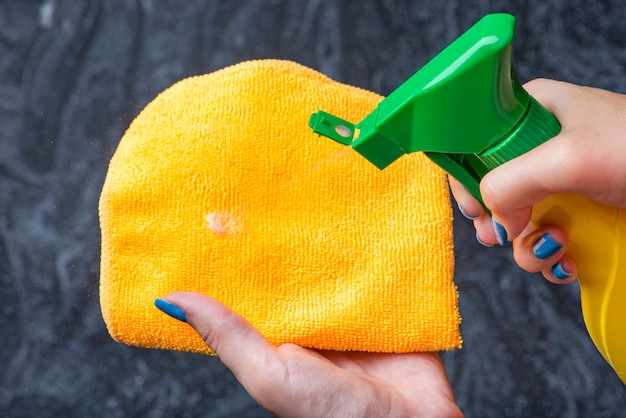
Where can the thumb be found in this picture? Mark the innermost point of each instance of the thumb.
(237, 343)
(511, 189)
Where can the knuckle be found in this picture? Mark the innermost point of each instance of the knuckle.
(212, 331)
(537, 84)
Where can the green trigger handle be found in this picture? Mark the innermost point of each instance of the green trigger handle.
(467, 111)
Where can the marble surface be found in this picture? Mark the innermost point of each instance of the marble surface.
(73, 75)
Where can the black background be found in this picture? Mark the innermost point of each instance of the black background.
(74, 74)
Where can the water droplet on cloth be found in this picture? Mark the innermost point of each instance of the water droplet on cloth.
(221, 224)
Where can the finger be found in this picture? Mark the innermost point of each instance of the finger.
(468, 205)
(539, 249)
(511, 190)
(484, 230)
(473, 210)
(238, 345)
(564, 272)
(278, 378)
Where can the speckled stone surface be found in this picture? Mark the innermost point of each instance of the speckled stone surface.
(74, 74)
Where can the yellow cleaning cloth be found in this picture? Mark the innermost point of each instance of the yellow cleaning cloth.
(219, 186)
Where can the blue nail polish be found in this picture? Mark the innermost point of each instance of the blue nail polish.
(559, 273)
(171, 309)
(546, 247)
(471, 218)
(500, 232)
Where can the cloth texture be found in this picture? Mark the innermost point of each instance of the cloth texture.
(219, 186)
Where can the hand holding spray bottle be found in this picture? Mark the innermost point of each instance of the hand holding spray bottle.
(467, 111)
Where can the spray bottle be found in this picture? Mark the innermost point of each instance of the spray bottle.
(467, 111)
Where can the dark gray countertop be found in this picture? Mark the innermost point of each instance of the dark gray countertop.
(73, 75)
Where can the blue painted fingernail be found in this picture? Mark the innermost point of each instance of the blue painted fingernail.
(171, 309)
(471, 218)
(480, 241)
(559, 273)
(500, 232)
(546, 247)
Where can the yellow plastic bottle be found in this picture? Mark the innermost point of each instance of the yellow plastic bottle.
(596, 235)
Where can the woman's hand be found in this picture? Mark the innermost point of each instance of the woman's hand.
(292, 381)
(586, 158)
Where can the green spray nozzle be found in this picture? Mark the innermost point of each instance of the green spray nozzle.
(465, 109)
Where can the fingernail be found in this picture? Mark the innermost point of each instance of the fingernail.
(481, 241)
(171, 310)
(500, 232)
(559, 273)
(546, 247)
(471, 218)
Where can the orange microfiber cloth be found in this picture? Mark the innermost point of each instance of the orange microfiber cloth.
(220, 187)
